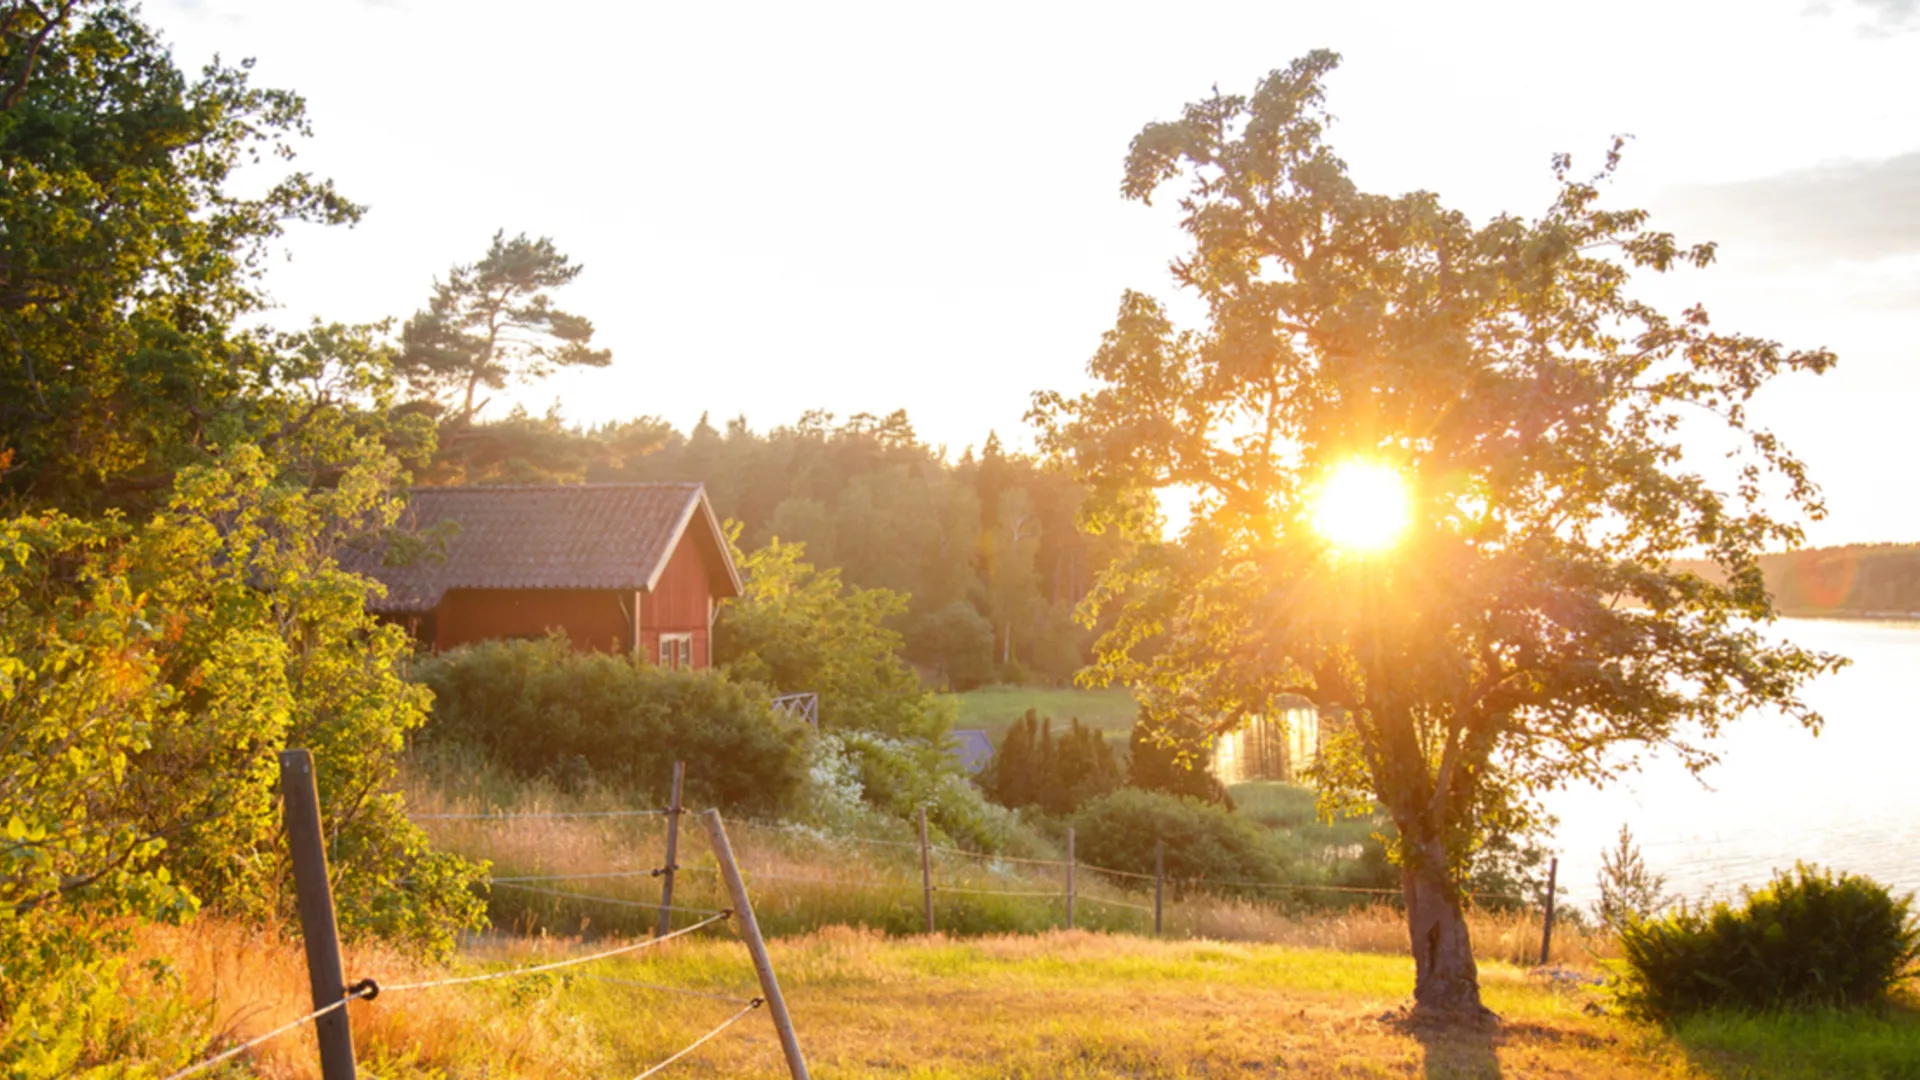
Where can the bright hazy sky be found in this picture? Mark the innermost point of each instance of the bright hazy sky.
(863, 208)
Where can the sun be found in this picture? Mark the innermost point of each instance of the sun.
(1361, 507)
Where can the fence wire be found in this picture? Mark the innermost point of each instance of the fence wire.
(536, 815)
(702, 1040)
(271, 1035)
(557, 964)
(616, 901)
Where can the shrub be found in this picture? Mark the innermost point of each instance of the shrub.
(149, 671)
(859, 773)
(1174, 758)
(1806, 939)
(798, 629)
(539, 708)
(1118, 831)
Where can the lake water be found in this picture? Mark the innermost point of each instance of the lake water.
(1848, 799)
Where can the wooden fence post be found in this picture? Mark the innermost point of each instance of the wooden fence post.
(1159, 880)
(673, 850)
(1546, 931)
(1069, 878)
(305, 841)
(756, 947)
(926, 869)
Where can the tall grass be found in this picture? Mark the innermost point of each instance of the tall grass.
(802, 880)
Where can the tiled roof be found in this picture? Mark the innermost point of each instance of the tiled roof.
(576, 536)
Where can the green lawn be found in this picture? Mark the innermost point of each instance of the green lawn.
(994, 708)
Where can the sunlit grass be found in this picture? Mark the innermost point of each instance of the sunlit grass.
(1060, 1004)
(801, 881)
(1867, 1044)
(995, 708)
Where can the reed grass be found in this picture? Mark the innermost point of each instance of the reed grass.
(803, 879)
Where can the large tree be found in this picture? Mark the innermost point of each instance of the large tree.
(1530, 628)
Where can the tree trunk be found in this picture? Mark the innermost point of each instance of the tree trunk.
(1446, 981)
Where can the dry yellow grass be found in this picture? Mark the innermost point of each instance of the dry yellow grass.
(1067, 1004)
(800, 884)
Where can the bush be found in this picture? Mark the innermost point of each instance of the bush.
(858, 774)
(540, 709)
(1807, 939)
(1176, 758)
(1118, 831)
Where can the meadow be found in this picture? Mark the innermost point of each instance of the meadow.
(1232, 988)
(995, 708)
(1069, 1004)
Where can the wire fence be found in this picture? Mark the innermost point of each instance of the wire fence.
(1056, 883)
(369, 989)
(307, 850)
(893, 871)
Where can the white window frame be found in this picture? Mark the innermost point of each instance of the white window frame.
(676, 651)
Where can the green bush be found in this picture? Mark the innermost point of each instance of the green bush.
(540, 709)
(1806, 939)
(857, 777)
(1118, 831)
(1174, 757)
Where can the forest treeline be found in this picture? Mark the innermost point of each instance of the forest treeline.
(1851, 579)
(984, 547)
(1855, 579)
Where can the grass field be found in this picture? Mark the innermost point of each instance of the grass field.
(995, 708)
(1064, 1004)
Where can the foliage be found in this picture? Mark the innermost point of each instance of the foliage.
(957, 640)
(1531, 621)
(539, 708)
(493, 322)
(1208, 847)
(1629, 892)
(800, 630)
(868, 498)
(1031, 768)
(153, 670)
(1806, 939)
(861, 770)
(1171, 755)
(147, 675)
(125, 257)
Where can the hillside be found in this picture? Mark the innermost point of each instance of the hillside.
(1858, 579)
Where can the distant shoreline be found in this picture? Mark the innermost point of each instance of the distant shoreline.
(1841, 615)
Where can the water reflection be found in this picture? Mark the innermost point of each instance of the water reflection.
(1849, 799)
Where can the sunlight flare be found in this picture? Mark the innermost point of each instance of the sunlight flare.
(1361, 507)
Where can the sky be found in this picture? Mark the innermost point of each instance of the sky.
(861, 208)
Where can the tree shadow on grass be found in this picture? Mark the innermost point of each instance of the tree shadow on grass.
(1454, 1048)
(1460, 1050)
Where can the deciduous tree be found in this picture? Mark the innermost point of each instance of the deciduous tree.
(125, 257)
(1530, 628)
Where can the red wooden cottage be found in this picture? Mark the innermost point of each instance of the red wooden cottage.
(637, 569)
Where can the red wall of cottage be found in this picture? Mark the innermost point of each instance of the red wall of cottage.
(591, 617)
(679, 604)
